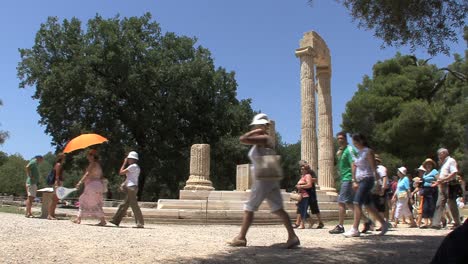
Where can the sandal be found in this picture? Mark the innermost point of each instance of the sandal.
(295, 225)
(101, 224)
(76, 221)
(237, 242)
(293, 243)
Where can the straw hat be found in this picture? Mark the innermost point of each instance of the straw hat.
(431, 161)
(378, 158)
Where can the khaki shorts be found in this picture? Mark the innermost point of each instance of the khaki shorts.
(31, 189)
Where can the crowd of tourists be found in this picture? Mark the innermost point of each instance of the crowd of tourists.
(91, 200)
(429, 197)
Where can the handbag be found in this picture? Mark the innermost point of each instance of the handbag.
(402, 195)
(295, 196)
(268, 167)
(50, 180)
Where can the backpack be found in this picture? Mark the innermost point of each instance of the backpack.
(50, 180)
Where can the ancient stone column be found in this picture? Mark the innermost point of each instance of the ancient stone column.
(325, 131)
(308, 113)
(199, 178)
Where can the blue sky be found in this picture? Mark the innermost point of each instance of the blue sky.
(256, 39)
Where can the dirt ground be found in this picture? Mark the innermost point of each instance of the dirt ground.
(34, 240)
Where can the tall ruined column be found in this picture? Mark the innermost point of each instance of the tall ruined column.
(199, 178)
(325, 131)
(308, 113)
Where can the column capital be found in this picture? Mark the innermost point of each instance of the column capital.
(305, 51)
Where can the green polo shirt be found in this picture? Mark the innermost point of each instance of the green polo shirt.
(345, 161)
(34, 170)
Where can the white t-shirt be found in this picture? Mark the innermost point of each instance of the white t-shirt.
(132, 174)
(382, 171)
(449, 167)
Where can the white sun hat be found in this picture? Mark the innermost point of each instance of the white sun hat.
(402, 170)
(132, 155)
(260, 119)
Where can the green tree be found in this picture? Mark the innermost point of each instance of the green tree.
(409, 109)
(146, 91)
(3, 134)
(12, 175)
(429, 24)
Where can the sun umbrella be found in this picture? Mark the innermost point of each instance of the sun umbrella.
(84, 141)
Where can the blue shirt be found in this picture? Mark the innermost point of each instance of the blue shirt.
(430, 177)
(403, 185)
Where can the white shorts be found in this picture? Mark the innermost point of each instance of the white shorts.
(31, 190)
(261, 190)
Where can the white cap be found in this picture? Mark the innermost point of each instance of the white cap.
(132, 155)
(402, 170)
(421, 168)
(260, 119)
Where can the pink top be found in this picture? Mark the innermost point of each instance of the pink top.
(303, 180)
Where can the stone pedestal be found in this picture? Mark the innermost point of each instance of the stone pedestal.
(243, 177)
(199, 178)
(46, 201)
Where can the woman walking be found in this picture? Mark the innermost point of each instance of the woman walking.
(91, 200)
(262, 189)
(131, 170)
(402, 196)
(429, 193)
(302, 186)
(364, 175)
(58, 171)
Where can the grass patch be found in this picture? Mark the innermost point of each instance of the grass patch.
(11, 209)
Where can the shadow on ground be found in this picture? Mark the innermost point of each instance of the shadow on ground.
(370, 249)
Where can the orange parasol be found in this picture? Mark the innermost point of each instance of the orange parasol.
(83, 141)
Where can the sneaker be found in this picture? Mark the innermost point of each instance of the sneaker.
(352, 233)
(320, 225)
(367, 226)
(384, 229)
(337, 230)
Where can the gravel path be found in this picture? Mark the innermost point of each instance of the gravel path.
(26, 240)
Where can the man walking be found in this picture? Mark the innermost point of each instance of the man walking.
(345, 156)
(447, 173)
(32, 173)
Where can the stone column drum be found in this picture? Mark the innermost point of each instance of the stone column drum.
(308, 112)
(325, 137)
(199, 178)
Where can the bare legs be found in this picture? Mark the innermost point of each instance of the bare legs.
(241, 240)
(29, 202)
(52, 207)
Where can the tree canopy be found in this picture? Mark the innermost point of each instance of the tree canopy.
(144, 90)
(410, 108)
(428, 24)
